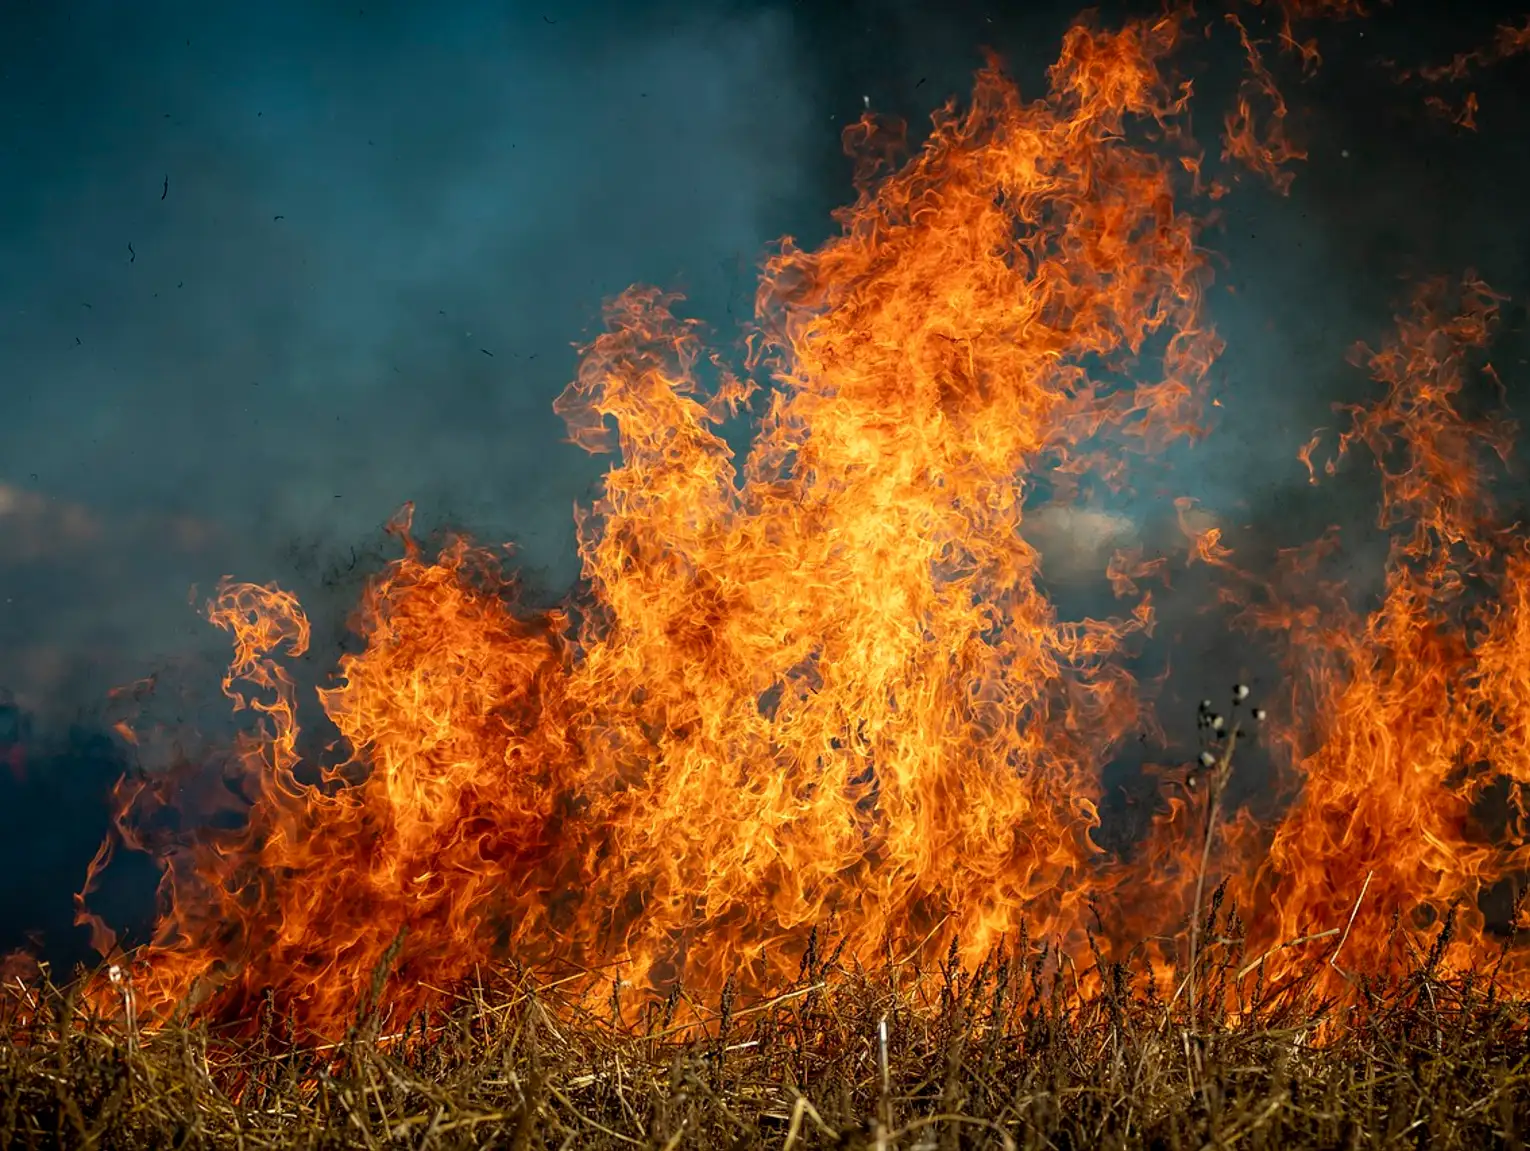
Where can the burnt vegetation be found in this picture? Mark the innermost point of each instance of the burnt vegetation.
(1030, 1049)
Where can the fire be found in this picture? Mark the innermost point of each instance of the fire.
(1420, 709)
(823, 686)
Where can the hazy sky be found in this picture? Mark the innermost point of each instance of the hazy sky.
(267, 271)
(272, 270)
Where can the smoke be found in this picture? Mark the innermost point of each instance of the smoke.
(273, 271)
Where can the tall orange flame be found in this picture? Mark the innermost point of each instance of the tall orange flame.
(827, 689)
(823, 686)
(1420, 709)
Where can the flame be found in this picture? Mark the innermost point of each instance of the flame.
(1421, 709)
(1261, 142)
(823, 686)
(1509, 40)
(1403, 730)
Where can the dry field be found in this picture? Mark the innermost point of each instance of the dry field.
(1013, 1054)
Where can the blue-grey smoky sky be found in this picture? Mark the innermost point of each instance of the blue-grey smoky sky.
(271, 270)
(268, 271)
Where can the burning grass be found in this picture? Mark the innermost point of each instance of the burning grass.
(1018, 1051)
(825, 684)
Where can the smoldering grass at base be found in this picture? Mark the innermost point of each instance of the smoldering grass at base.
(1019, 1052)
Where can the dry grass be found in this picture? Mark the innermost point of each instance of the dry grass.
(1031, 1049)
(1018, 1053)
